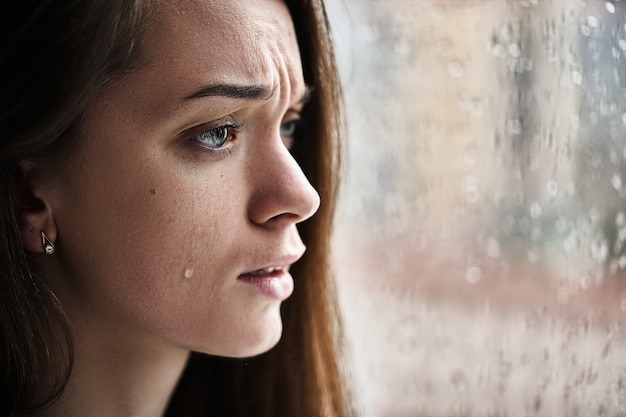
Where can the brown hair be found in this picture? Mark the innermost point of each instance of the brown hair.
(54, 57)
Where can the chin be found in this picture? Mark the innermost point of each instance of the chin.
(249, 341)
(261, 343)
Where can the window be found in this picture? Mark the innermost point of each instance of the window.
(481, 239)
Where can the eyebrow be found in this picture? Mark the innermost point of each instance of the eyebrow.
(242, 92)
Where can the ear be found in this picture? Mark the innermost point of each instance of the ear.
(34, 212)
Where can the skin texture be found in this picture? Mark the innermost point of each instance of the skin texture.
(153, 229)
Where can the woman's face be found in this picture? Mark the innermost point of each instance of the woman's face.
(177, 216)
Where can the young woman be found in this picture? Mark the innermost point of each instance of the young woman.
(164, 165)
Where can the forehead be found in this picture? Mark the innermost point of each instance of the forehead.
(250, 41)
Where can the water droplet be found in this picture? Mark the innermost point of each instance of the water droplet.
(622, 44)
(497, 50)
(616, 182)
(476, 108)
(599, 250)
(585, 282)
(456, 70)
(577, 77)
(593, 22)
(535, 211)
(188, 272)
(468, 183)
(514, 50)
(585, 30)
(473, 274)
(574, 121)
(506, 32)
(610, 7)
(514, 126)
(552, 188)
(570, 243)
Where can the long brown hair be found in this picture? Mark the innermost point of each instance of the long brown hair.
(54, 57)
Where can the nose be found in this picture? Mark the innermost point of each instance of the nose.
(281, 193)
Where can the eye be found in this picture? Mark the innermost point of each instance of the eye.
(288, 132)
(216, 137)
(288, 129)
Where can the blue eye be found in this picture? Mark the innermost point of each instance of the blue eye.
(288, 129)
(214, 138)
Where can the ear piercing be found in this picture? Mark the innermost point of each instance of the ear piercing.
(48, 246)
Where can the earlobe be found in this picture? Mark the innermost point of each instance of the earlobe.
(35, 218)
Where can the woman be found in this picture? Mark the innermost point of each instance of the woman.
(152, 206)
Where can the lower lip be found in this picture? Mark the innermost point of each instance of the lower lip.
(278, 286)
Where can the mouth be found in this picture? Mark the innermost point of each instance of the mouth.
(274, 280)
(266, 272)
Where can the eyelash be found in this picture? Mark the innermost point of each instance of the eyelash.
(230, 129)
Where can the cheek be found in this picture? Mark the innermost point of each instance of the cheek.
(151, 245)
(157, 250)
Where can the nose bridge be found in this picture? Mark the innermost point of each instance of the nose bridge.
(280, 188)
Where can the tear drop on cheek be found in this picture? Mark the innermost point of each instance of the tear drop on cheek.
(188, 272)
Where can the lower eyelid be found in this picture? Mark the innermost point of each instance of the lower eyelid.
(216, 153)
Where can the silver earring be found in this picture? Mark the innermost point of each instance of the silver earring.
(48, 246)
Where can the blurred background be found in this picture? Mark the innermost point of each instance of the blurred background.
(480, 245)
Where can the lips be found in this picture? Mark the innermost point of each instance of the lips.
(266, 271)
(273, 279)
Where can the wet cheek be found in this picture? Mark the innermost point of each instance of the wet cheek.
(135, 233)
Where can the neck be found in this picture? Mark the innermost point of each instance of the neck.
(116, 373)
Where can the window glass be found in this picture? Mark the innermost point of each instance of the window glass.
(480, 245)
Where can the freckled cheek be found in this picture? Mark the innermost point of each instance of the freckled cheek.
(144, 229)
(170, 228)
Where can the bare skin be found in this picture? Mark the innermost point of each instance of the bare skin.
(160, 223)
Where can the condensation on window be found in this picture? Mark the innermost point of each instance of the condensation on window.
(480, 245)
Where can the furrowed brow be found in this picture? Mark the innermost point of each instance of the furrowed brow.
(241, 92)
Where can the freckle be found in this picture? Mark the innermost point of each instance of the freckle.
(188, 272)
(152, 190)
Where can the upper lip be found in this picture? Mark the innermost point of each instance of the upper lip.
(283, 262)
